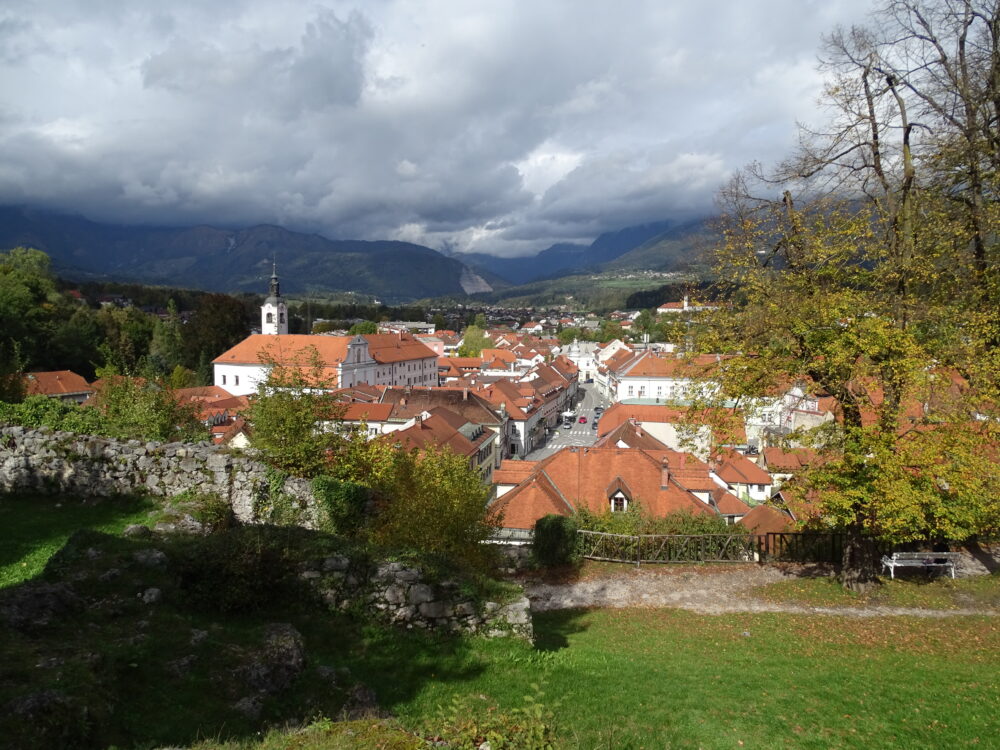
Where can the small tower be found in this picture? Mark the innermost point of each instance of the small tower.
(274, 312)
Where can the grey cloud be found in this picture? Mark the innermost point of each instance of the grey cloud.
(471, 126)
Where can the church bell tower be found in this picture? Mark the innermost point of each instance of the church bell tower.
(274, 312)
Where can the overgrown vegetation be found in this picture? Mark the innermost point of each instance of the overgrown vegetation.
(124, 408)
(635, 520)
(555, 540)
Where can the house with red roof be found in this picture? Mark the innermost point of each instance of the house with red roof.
(441, 427)
(597, 479)
(64, 385)
(336, 361)
(743, 477)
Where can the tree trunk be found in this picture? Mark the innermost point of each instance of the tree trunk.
(859, 565)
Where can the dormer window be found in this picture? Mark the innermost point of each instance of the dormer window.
(619, 503)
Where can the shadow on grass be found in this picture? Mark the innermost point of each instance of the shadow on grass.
(90, 659)
(553, 628)
(35, 526)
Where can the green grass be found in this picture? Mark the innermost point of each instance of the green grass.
(982, 592)
(641, 678)
(34, 528)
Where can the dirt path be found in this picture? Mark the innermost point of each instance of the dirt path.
(715, 590)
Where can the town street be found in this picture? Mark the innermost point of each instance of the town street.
(579, 435)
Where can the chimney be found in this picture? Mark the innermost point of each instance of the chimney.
(664, 473)
(465, 394)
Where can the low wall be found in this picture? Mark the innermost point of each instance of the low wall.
(47, 462)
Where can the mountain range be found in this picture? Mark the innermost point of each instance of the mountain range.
(216, 259)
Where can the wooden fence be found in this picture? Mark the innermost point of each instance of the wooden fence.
(688, 548)
(675, 548)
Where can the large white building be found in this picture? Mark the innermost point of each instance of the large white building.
(334, 361)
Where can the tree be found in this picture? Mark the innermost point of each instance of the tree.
(474, 340)
(480, 321)
(439, 322)
(294, 417)
(219, 322)
(864, 279)
(437, 507)
(364, 328)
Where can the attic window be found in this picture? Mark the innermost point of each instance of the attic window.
(619, 503)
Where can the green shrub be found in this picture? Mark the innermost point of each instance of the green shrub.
(636, 521)
(555, 540)
(344, 504)
(211, 511)
(245, 569)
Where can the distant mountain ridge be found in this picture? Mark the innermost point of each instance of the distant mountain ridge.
(205, 257)
(619, 249)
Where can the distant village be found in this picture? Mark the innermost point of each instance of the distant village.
(550, 426)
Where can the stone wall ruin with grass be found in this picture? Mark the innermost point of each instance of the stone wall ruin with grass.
(45, 462)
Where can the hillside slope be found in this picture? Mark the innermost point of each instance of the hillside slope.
(217, 259)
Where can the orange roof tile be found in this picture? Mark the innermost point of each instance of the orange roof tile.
(286, 349)
(55, 383)
(574, 478)
(735, 468)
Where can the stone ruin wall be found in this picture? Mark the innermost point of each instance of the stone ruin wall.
(47, 462)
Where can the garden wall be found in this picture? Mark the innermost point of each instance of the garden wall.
(47, 462)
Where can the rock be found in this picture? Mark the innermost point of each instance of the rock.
(394, 594)
(92, 553)
(420, 593)
(138, 531)
(278, 662)
(151, 558)
(464, 609)
(361, 703)
(336, 563)
(49, 718)
(151, 596)
(435, 610)
(38, 604)
(310, 575)
(181, 667)
(250, 706)
(197, 636)
(109, 575)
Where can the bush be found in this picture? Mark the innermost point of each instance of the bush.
(245, 569)
(555, 541)
(636, 521)
(344, 504)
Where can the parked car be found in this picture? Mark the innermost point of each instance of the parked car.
(593, 425)
(598, 409)
(583, 420)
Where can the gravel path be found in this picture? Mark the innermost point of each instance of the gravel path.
(716, 590)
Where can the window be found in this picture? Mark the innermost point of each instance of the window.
(619, 503)
(631, 390)
(269, 318)
(223, 379)
(281, 317)
(659, 390)
(236, 379)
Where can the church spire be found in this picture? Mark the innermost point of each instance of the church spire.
(274, 311)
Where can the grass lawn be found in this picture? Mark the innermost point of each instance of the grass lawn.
(669, 678)
(631, 678)
(919, 591)
(34, 528)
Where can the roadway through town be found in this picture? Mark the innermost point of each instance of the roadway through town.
(579, 435)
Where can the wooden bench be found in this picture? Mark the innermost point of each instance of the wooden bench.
(924, 560)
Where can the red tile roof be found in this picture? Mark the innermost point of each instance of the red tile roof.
(55, 383)
(575, 478)
(735, 468)
(386, 348)
(763, 519)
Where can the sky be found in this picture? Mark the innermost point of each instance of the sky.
(495, 126)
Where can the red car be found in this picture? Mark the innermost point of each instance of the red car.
(582, 420)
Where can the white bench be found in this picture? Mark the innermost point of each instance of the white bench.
(924, 560)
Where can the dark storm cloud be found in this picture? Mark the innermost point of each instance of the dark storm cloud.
(489, 127)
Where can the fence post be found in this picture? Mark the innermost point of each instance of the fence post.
(638, 551)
